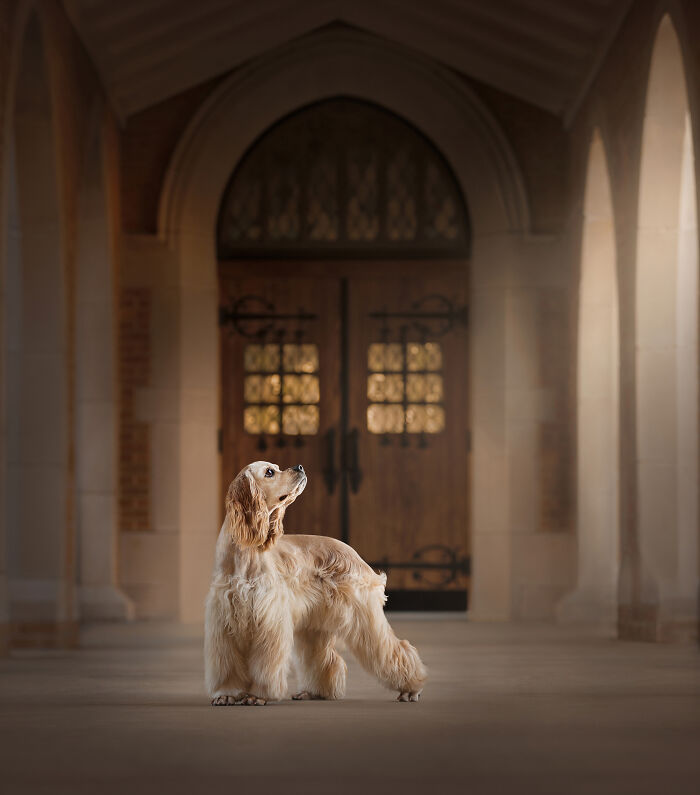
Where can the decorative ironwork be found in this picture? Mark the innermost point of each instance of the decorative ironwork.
(254, 317)
(446, 564)
(432, 316)
(341, 177)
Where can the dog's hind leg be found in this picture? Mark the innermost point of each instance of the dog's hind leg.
(394, 662)
(321, 669)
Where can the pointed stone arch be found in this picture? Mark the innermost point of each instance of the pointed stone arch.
(667, 347)
(597, 405)
(36, 447)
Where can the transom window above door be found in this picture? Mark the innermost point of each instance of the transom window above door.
(342, 176)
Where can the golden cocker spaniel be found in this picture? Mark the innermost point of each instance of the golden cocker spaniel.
(276, 597)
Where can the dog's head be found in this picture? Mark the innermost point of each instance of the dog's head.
(257, 499)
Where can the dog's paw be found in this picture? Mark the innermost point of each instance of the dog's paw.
(304, 695)
(251, 701)
(226, 701)
(409, 695)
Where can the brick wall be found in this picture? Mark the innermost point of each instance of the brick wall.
(134, 436)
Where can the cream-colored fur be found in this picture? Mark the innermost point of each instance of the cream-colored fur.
(275, 597)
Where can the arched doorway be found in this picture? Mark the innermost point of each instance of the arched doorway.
(667, 345)
(342, 245)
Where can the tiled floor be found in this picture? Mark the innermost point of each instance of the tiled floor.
(508, 709)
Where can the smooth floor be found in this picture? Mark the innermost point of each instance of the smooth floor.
(508, 709)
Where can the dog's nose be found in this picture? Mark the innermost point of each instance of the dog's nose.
(298, 468)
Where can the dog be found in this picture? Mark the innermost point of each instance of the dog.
(275, 599)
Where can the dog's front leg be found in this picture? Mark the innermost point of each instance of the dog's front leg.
(269, 660)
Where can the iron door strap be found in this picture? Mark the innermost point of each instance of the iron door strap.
(352, 462)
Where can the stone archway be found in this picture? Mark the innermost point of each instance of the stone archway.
(329, 64)
(667, 347)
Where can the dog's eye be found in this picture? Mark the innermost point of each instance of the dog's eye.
(269, 472)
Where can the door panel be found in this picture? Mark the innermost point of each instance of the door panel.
(271, 330)
(408, 346)
(388, 459)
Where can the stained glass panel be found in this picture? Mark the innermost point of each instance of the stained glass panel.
(424, 388)
(294, 379)
(423, 356)
(342, 174)
(262, 358)
(387, 357)
(262, 388)
(261, 419)
(362, 217)
(401, 217)
(300, 389)
(385, 387)
(410, 403)
(300, 420)
(425, 419)
(300, 358)
(385, 418)
(322, 217)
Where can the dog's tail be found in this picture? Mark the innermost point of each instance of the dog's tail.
(394, 662)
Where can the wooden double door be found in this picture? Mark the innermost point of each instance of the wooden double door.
(358, 371)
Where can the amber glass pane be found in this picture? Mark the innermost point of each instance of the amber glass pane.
(300, 358)
(300, 420)
(425, 419)
(262, 388)
(385, 387)
(262, 358)
(423, 356)
(385, 357)
(424, 388)
(261, 419)
(385, 418)
(300, 389)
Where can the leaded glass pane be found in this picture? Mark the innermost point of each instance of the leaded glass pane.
(300, 358)
(387, 357)
(401, 218)
(322, 216)
(440, 205)
(362, 220)
(425, 419)
(342, 174)
(422, 388)
(262, 358)
(262, 388)
(261, 419)
(423, 356)
(385, 387)
(300, 420)
(283, 190)
(385, 418)
(300, 389)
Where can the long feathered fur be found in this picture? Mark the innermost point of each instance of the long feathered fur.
(275, 598)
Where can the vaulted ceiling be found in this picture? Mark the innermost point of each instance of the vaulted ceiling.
(544, 52)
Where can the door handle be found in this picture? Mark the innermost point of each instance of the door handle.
(352, 460)
(330, 474)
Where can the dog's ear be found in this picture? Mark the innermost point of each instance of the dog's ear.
(246, 511)
(276, 529)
